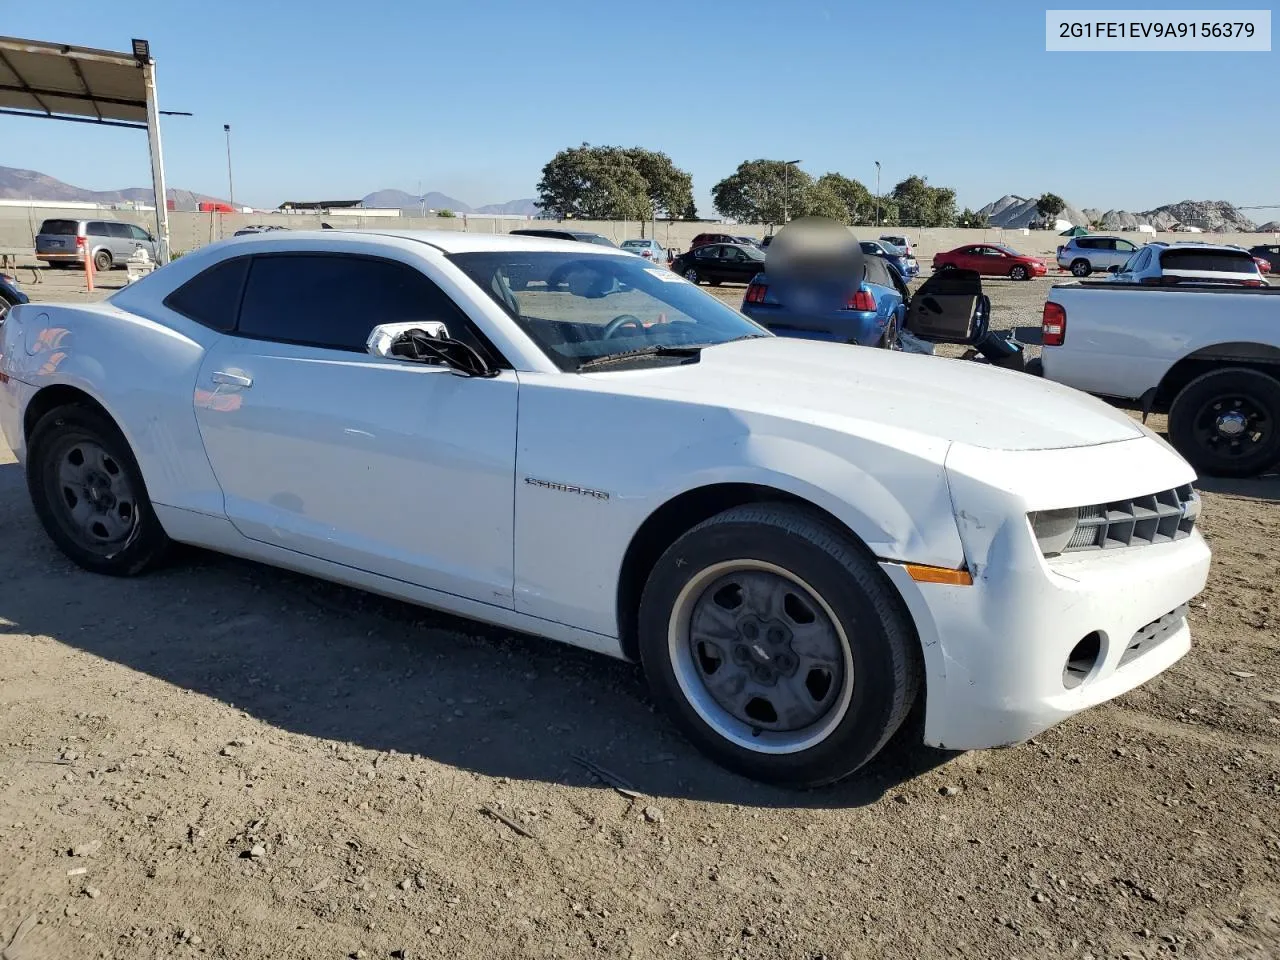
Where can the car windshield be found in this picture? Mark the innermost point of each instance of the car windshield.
(580, 308)
(602, 241)
(1009, 250)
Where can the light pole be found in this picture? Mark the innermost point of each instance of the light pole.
(877, 194)
(786, 190)
(231, 188)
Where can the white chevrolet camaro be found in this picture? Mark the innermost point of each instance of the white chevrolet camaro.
(797, 540)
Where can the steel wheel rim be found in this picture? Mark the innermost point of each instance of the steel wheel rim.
(92, 497)
(1018, 273)
(806, 709)
(1232, 426)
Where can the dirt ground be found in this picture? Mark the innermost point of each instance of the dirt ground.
(222, 760)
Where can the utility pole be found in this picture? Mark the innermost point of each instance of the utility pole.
(231, 187)
(786, 190)
(877, 194)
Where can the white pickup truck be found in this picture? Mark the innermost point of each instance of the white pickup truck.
(1209, 355)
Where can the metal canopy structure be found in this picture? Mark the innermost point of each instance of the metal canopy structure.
(57, 81)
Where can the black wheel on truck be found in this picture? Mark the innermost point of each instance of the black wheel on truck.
(1227, 422)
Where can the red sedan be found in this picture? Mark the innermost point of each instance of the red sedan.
(991, 260)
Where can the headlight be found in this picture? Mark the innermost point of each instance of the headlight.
(1054, 528)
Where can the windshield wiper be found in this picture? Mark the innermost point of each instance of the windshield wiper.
(687, 352)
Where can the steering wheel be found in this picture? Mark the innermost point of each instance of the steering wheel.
(620, 321)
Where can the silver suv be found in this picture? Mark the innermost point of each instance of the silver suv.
(109, 242)
(1086, 255)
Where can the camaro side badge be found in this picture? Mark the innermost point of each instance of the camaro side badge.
(566, 488)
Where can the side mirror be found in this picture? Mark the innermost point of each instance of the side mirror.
(385, 335)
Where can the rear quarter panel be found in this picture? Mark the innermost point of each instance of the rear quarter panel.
(140, 371)
(1121, 342)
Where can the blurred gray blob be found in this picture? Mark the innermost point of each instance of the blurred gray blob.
(816, 252)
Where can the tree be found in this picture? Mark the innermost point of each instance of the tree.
(971, 218)
(920, 205)
(446, 213)
(754, 192)
(856, 201)
(670, 189)
(614, 183)
(1050, 205)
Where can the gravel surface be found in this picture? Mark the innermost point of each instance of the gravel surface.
(220, 759)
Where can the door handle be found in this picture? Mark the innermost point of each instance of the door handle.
(231, 379)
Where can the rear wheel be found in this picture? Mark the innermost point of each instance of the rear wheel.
(102, 260)
(1227, 422)
(691, 275)
(1081, 268)
(89, 495)
(777, 646)
(1019, 272)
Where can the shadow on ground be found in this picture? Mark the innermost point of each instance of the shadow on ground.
(340, 664)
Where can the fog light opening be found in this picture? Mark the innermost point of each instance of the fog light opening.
(1082, 659)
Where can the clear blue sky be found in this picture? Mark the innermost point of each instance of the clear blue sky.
(332, 99)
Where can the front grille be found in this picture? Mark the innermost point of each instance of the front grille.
(1156, 518)
(1153, 634)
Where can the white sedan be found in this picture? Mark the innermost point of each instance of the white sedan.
(797, 540)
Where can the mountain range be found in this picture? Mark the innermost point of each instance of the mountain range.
(17, 184)
(1211, 216)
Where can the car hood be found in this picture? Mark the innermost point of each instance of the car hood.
(862, 389)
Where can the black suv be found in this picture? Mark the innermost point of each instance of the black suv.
(582, 236)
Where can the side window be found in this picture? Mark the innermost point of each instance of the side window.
(1143, 261)
(334, 301)
(705, 252)
(212, 297)
(1086, 243)
(96, 228)
(118, 231)
(1124, 246)
(137, 233)
(734, 254)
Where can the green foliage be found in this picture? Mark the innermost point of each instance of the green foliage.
(446, 214)
(971, 218)
(754, 193)
(1050, 205)
(857, 203)
(919, 205)
(614, 183)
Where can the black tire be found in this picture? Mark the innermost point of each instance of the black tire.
(1019, 272)
(56, 437)
(715, 283)
(872, 626)
(691, 275)
(1207, 410)
(1081, 268)
(102, 260)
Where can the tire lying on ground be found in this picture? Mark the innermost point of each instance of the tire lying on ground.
(777, 645)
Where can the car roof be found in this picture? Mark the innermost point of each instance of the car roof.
(446, 241)
(1202, 245)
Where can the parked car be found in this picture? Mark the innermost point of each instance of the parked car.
(581, 236)
(257, 228)
(795, 539)
(991, 260)
(109, 242)
(705, 238)
(899, 240)
(764, 243)
(1207, 353)
(902, 261)
(1270, 254)
(1161, 263)
(10, 295)
(872, 317)
(649, 249)
(1092, 254)
(717, 263)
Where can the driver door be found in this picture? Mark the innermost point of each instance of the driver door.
(390, 466)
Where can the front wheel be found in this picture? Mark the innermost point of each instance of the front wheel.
(89, 495)
(1225, 422)
(777, 646)
(1019, 272)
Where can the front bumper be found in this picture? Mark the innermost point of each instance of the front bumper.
(996, 653)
